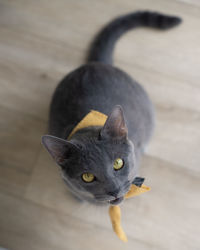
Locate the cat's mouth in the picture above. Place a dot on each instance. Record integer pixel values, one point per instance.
(116, 201)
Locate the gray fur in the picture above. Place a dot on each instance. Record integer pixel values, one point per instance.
(107, 89)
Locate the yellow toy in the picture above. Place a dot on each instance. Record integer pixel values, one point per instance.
(115, 212)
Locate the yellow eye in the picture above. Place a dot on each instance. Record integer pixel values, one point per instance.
(87, 177)
(118, 164)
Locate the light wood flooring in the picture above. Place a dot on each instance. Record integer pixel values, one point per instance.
(40, 42)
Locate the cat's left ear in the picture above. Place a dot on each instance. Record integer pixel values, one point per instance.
(115, 126)
(59, 149)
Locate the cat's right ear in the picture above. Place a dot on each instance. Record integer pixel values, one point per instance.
(59, 149)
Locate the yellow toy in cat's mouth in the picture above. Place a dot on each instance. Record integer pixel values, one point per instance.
(95, 118)
(115, 212)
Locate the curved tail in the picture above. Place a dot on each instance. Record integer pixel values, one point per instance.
(102, 47)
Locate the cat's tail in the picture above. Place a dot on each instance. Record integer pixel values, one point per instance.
(102, 47)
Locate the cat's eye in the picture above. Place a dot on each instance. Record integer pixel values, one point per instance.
(88, 177)
(118, 164)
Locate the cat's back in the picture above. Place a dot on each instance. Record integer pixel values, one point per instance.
(99, 87)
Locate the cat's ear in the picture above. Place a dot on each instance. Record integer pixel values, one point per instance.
(59, 149)
(115, 126)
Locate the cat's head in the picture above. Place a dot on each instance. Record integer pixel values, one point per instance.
(100, 166)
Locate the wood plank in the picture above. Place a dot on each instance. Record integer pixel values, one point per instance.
(27, 75)
(19, 142)
(190, 2)
(26, 225)
(177, 137)
(174, 192)
(170, 52)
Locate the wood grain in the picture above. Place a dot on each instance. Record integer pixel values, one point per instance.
(40, 42)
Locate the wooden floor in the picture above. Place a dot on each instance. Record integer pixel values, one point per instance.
(40, 42)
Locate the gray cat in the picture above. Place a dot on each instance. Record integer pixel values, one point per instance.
(99, 163)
